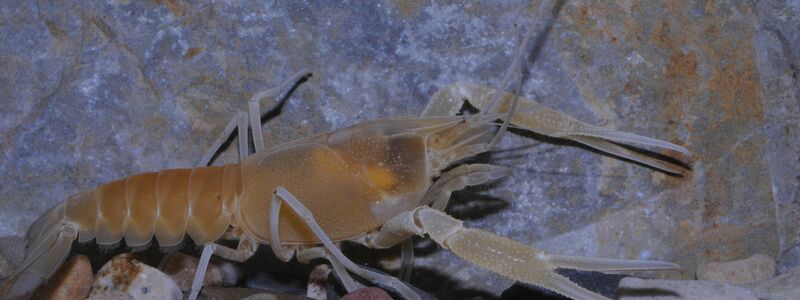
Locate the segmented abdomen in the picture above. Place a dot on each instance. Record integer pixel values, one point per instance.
(165, 204)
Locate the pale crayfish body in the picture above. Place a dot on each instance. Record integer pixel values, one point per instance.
(376, 183)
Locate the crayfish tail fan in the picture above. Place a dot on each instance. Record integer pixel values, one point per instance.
(48, 244)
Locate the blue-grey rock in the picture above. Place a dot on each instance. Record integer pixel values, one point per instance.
(758, 267)
(95, 91)
(631, 288)
(6, 267)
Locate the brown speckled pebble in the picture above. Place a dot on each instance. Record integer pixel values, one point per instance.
(109, 294)
(72, 281)
(126, 274)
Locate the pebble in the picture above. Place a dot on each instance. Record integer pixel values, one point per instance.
(318, 282)
(72, 281)
(140, 281)
(181, 268)
(368, 293)
(758, 267)
(632, 288)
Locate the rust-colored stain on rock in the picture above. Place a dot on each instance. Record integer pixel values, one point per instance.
(661, 35)
(738, 86)
(54, 30)
(72, 282)
(708, 95)
(177, 7)
(408, 9)
(123, 270)
(682, 65)
(192, 52)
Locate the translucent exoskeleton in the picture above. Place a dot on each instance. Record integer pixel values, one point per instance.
(376, 183)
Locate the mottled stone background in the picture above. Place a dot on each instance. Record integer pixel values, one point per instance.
(99, 90)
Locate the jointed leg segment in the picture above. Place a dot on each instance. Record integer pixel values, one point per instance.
(306, 255)
(498, 254)
(541, 119)
(246, 247)
(282, 195)
(244, 251)
(508, 257)
(438, 196)
(252, 120)
(254, 105)
(406, 259)
(458, 178)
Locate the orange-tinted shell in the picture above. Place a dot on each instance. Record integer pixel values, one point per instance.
(165, 204)
(352, 181)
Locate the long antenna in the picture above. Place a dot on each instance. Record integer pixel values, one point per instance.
(515, 71)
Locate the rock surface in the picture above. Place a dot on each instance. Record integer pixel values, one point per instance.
(129, 276)
(758, 267)
(368, 293)
(221, 293)
(6, 267)
(93, 91)
(786, 286)
(12, 249)
(107, 294)
(71, 282)
(181, 268)
(631, 288)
